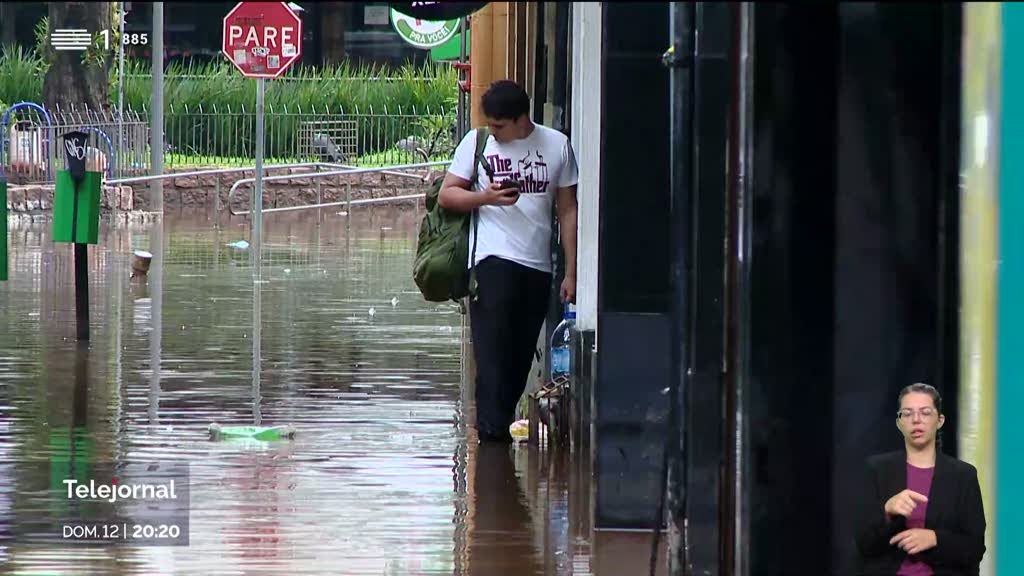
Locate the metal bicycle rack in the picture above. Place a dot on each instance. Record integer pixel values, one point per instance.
(111, 157)
(391, 170)
(44, 141)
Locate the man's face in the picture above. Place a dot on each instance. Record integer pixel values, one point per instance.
(503, 129)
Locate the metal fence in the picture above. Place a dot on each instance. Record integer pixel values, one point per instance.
(226, 137)
(212, 137)
(33, 145)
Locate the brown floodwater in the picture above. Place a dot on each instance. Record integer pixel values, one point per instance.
(382, 476)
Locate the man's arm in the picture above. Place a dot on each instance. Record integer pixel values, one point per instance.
(457, 193)
(456, 196)
(568, 210)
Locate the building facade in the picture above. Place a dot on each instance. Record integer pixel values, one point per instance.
(359, 33)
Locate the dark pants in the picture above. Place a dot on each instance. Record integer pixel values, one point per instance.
(506, 318)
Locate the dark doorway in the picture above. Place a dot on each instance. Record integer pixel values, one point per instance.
(630, 412)
(854, 259)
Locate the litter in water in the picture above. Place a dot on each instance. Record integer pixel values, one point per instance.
(520, 430)
(265, 433)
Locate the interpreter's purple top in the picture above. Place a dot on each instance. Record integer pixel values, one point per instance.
(919, 480)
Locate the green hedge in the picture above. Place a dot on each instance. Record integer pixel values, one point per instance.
(210, 105)
(340, 87)
(206, 102)
(21, 75)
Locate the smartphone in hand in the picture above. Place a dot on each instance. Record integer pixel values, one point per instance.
(510, 184)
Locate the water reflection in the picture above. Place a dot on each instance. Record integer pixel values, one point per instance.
(382, 477)
(256, 261)
(155, 280)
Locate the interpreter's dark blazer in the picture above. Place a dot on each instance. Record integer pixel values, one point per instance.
(954, 512)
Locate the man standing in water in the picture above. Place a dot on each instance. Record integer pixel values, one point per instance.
(532, 169)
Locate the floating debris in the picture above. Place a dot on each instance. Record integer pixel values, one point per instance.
(265, 433)
(140, 262)
(520, 430)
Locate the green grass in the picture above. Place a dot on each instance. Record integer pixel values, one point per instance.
(375, 160)
(390, 158)
(176, 160)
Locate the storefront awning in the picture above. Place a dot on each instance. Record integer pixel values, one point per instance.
(437, 10)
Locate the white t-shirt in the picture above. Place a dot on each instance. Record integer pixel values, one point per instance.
(544, 161)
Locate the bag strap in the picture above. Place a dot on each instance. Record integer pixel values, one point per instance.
(482, 134)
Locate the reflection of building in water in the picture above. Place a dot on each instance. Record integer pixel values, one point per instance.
(6, 496)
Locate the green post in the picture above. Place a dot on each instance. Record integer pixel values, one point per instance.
(3, 229)
(76, 218)
(79, 224)
(1010, 319)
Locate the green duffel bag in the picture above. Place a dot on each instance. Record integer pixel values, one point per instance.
(442, 251)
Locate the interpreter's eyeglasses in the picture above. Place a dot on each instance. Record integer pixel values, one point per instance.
(908, 413)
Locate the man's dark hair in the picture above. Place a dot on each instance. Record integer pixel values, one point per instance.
(505, 100)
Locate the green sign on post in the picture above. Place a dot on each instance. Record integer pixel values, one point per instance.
(88, 226)
(423, 34)
(3, 229)
(450, 49)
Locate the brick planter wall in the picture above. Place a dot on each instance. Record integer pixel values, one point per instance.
(36, 198)
(199, 191)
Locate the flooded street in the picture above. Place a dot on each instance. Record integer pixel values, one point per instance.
(382, 476)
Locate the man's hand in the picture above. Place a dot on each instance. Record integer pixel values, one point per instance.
(915, 540)
(568, 291)
(498, 196)
(903, 503)
(457, 195)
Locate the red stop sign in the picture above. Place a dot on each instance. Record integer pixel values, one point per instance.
(262, 39)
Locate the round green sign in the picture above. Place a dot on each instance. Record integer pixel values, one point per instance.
(424, 34)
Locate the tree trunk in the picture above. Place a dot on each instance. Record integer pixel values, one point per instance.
(332, 31)
(8, 18)
(69, 82)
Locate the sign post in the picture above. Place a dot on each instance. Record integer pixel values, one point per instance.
(3, 228)
(257, 204)
(76, 218)
(262, 40)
